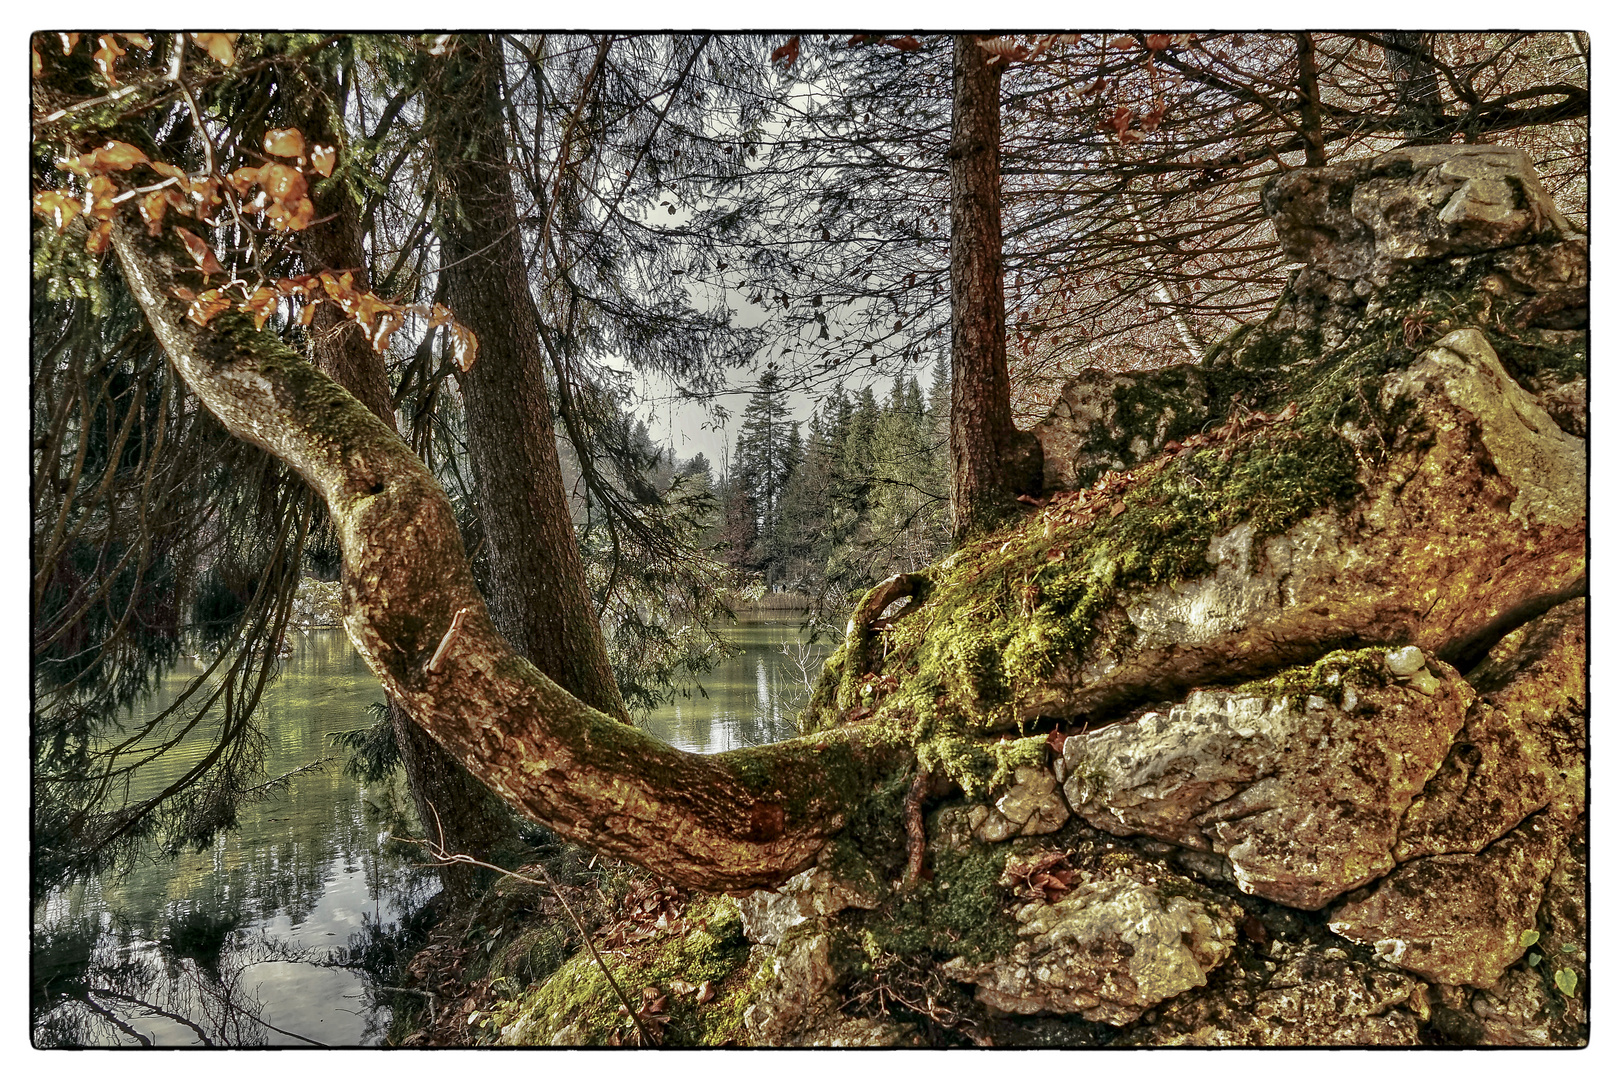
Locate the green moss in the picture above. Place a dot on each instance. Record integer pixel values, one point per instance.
(713, 949)
(1327, 677)
(961, 912)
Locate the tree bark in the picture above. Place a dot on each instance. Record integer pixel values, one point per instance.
(459, 812)
(990, 457)
(737, 820)
(1310, 102)
(537, 592)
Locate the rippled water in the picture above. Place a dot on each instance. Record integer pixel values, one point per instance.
(260, 940)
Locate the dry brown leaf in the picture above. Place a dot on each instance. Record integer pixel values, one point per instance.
(69, 42)
(99, 238)
(57, 207)
(201, 253)
(463, 346)
(36, 62)
(261, 305)
(322, 158)
(101, 191)
(154, 205)
(206, 306)
(284, 142)
(705, 992)
(106, 57)
(222, 47)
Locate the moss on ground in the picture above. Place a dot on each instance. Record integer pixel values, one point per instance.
(961, 912)
(712, 949)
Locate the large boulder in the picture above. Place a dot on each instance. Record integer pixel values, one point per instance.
(1362, 219)
(1127, 937)
(1302, 792)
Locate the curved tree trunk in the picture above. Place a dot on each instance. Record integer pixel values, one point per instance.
(537, 593)
(459, 812)
(737, 820)
(990, 457)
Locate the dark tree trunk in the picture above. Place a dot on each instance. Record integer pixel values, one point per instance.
(537, 593)
(1417, 85)
(1310, 102)
(455, 808)
(991, 459)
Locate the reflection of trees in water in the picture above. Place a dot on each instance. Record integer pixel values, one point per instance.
(182, 975)
(98, 985)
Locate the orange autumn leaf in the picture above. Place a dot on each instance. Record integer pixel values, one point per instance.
(299, 286)
(206, 306)
(307, 315)
(1158, 41)
(106, 56)
(118, 155)
(99, 237)
(244, 178)
(322, 158)
(385, 330)
(261, 305)
(58, 207)
(463, 346)
(173, 172)
(283, 183)
(101, 191)
(69, 41)
(201, 253)
(140, 41)
(284, 142)
(440, 316)
(339, 287)
(1123, 42)
(154, 205)
(222, 47)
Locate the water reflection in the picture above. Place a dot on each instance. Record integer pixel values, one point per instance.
(266, 938)
(253, 941)
(750, 698)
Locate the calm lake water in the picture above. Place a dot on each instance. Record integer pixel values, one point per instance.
(265, 938)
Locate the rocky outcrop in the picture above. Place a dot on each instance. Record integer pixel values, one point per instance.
(1302, 794)
(1306, 671)
(1457, 918)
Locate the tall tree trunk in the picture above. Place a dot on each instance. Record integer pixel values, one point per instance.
(1417, 85)
(1310, 102)
(455, 808)
(538, 596)
(991, 460)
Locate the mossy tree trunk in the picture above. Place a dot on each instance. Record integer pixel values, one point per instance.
(726, 821)
(537, 592)
(462, 813)
(989, 457)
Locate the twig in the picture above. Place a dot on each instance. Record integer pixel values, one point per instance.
(442, 857)
(444, 642)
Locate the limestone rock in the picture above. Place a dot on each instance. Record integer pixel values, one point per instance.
(1308, 996)
(1521, 747)
(1458, 533)
(1112, 420)
(1363, 218)
(1031, 806)
(1457, 919)
(1120, 942)
(797, 992)
(1304, 800)
(768, 916)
